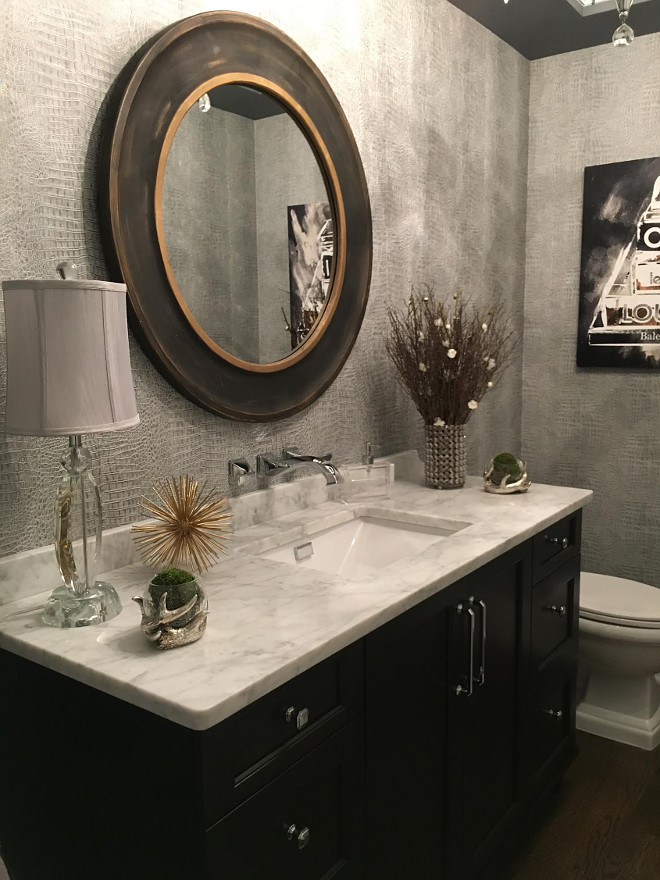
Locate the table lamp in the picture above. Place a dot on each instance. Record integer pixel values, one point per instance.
(69, 374)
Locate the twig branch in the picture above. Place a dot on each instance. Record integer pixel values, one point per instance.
(449, 353)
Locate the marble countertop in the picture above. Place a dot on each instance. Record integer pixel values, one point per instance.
(268, 620)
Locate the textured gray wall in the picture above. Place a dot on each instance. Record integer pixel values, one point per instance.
(595, 428)
(287, 174)
(209, 206)
(438, 107)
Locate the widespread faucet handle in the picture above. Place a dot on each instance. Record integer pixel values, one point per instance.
(237, 470)
(268, 464)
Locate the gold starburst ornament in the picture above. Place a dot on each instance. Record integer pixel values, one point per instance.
(190, 529)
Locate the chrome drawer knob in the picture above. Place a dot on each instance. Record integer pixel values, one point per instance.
(301, 716)
(563, 542)
(557, 609)
(554, 713)
(301, 837)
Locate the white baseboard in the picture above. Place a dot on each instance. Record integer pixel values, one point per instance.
(628, 729)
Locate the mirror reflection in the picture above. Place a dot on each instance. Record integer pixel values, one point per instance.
(247, 223)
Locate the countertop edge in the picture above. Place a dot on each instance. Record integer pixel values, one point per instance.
(205, 716)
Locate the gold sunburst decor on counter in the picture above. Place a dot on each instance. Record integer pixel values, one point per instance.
(191, 525)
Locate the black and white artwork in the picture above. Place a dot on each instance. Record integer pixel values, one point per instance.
(311, 249)
(619, 322)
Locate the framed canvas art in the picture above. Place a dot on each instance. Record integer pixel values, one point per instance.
(311, 249)
(619, 319)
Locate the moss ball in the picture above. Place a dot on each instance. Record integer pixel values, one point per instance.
(171, 577)
(505, 465)
(179, 585)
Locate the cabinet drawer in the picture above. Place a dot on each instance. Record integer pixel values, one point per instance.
(555, 544)
(307, 824)
(554, 610)
(550, 719)
(249, 749)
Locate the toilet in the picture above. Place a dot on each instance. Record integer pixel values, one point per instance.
(620, 659)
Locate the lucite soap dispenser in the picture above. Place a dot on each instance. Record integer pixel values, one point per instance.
(369, 479)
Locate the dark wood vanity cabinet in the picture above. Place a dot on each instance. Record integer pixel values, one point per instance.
(470, 713)
(486, 631)
(420, 751)
(406, 687)
(92, 788)
(305, 825)
(442, 688)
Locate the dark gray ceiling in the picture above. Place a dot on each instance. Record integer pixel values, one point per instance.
(245, 101)
(537, 28)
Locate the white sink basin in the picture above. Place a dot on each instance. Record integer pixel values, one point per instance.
(359, 547)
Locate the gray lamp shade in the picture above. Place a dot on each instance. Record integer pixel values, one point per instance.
(68, 365)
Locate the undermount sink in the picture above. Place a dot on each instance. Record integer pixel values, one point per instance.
(361, 546)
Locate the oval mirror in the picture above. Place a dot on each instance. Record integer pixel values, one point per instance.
(235, 208)
(247, 228)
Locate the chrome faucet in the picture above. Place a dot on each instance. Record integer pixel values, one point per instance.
(292, 459)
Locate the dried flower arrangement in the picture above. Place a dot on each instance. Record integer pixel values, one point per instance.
(449, 353)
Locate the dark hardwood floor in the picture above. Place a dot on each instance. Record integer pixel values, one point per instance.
(604, 823)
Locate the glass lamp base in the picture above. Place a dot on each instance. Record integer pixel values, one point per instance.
(96, 605)
(623, 35)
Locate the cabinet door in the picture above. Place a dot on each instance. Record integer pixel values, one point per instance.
(246, 751)
(405, 700)
(484, 673)
(307, 824)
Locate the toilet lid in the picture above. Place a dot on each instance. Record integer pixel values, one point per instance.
(620, 601)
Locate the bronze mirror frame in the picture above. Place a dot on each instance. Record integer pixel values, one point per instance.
(146, 104)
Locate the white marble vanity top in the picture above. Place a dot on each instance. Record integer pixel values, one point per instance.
(270, 621)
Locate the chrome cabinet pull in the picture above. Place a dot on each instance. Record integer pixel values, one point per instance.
(563, 542)
(481, 680)
(459, 689)
(557, 609)
(554, 713)
(301, 836)
(301, 716)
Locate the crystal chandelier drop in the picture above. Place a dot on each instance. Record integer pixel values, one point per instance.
(624, 34)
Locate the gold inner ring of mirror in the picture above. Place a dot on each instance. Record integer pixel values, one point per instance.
(328, 171)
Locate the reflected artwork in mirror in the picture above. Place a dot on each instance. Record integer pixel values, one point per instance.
(234, 205)
(247, 225)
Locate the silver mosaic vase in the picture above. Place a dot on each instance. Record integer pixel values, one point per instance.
(446, 456)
